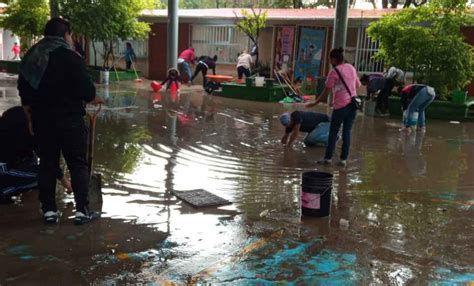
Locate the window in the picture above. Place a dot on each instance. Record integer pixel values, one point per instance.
(366, 49)
(224, 41)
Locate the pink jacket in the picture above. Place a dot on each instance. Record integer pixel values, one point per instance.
(188, 55)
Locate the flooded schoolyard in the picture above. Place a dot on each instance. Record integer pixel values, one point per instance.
(408, 202)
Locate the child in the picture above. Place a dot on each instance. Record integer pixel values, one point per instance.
(173, 77)
(16, 52)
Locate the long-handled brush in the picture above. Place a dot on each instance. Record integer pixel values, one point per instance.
(138, 79)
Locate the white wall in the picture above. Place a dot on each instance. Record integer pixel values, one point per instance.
(7, 40)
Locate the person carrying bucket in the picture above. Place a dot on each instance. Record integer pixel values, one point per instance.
(314, 123)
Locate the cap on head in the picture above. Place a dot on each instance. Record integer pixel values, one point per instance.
(285, 119)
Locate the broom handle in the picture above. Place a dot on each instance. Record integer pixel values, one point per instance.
(133, 66)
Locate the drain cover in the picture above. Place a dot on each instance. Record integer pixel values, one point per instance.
(201, 198)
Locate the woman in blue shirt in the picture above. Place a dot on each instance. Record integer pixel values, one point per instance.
(129, 55)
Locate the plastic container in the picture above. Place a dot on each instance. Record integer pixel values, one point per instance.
(459, 96)
(259, 81)
(248, 81)
(269, 82)
(155, 86)
(316, 190)
(104, 77)
(219, 78)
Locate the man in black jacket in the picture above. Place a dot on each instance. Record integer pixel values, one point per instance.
(53, 86)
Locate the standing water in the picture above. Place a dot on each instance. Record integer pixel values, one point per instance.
(408, 202)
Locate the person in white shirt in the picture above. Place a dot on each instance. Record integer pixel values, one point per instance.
(244, 62)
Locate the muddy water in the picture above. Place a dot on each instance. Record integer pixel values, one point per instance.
(409, 203)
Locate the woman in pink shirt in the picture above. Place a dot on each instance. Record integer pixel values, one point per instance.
(344, 111)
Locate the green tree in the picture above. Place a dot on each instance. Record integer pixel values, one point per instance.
(105, 21)
(251, 24)
(428, 41)
(26, 18)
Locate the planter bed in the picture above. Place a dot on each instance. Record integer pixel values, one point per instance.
(122, 75)
(241, 91)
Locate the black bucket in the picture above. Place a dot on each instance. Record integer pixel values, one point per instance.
(316, 190)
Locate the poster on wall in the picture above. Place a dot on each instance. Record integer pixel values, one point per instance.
(284, 43)
(310, 51)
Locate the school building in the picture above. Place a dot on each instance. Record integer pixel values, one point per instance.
(295, 39)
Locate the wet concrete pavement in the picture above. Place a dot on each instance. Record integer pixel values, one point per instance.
(409, 202)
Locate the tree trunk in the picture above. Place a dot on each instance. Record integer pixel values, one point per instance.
(95, 53)
(54, 7)
(393, 4)
(297, 3)
(384, 4)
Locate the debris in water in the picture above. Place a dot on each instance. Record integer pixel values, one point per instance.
(454, 122)
(343, 223)
(264, 213)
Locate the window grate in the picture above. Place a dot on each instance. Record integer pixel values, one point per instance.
(366, 50)
(224, 41)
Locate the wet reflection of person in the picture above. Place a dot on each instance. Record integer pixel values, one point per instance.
(414, 159)
(53, 96)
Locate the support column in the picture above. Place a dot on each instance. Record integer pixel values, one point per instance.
(53, 6)
(172, 45)
(340, 24)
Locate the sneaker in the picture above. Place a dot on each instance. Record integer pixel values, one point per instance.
(325, 162)
(342, 163)
(51, 217)
(85, 216)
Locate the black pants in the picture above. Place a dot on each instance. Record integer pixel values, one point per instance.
(129, 64)
(382, 98)
(69, 136)
(203, 69)
(243, 71)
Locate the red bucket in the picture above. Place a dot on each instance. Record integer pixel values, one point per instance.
(155, 86)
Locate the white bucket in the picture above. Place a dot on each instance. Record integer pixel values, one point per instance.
(259, 81)
(104, 77)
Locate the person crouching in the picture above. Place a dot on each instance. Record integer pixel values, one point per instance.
(314, 123)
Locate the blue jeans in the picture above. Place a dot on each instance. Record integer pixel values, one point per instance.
(345, 117)
(319, 136)
(187, 69)
(419, 104)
